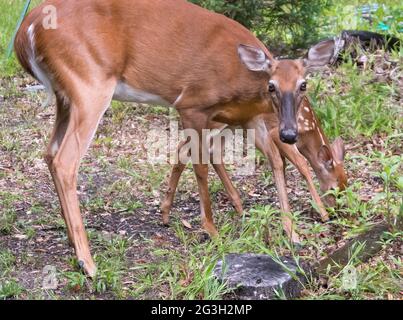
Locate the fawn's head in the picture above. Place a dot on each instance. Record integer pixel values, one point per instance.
(286, 87)
(332, 174)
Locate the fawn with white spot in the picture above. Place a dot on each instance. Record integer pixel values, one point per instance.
(326, 160)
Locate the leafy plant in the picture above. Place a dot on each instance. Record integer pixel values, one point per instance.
(292, 23)
(276, 22)
(10, 289)
(245, 12)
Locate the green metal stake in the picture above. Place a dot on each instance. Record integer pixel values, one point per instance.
(23, 13)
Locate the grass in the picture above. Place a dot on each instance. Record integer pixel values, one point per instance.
(364, 114)
(10, 289)
(10, 13)
(190, 276)
(139, 258)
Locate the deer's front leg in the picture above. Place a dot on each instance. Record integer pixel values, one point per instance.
(194, 121)
(201, 171)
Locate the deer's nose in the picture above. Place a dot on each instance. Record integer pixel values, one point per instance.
(289, 136)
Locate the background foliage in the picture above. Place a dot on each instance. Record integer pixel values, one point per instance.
(274, 20)
(246, 12)
(283, 25)
(286, 25)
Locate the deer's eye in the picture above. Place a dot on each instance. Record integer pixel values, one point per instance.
(303, 86)
(272, 88)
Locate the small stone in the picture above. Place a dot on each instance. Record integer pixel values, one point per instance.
(259, 277)
(20, 236)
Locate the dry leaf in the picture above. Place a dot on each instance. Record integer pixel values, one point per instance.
(187, 224)
(20, 236)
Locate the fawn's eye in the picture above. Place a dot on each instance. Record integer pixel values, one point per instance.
(272, 87)
(303, 86)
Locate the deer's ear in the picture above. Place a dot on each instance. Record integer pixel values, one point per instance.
(339, 149)
(319, 55)
(325, 157)
(254, 58)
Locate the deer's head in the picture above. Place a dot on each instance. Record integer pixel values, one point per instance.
(286, 87)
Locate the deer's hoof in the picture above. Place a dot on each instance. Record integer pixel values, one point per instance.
(295, 239)
(88, 268)
(238, 208)
(325, 218)
(211, 230)
(165, 220)
(165, 210)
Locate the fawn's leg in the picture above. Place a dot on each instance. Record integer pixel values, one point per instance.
(270, 150)
(292, 154)
(222, 173)
(277, 166)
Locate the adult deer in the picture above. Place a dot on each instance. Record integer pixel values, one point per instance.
(174, 53)
(327, 161)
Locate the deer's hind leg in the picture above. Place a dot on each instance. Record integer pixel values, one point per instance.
(59, 131)
(75, 127)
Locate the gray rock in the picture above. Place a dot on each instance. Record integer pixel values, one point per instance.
(259, 277)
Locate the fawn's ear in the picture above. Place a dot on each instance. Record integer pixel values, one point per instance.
(325, 157)
(319, 55)
(339, 149)
(254, 58)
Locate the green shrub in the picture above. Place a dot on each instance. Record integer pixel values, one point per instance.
(276, 22)
(245, 12)
(291, 23)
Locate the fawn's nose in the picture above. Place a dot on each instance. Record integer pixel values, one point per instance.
(288, 136)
